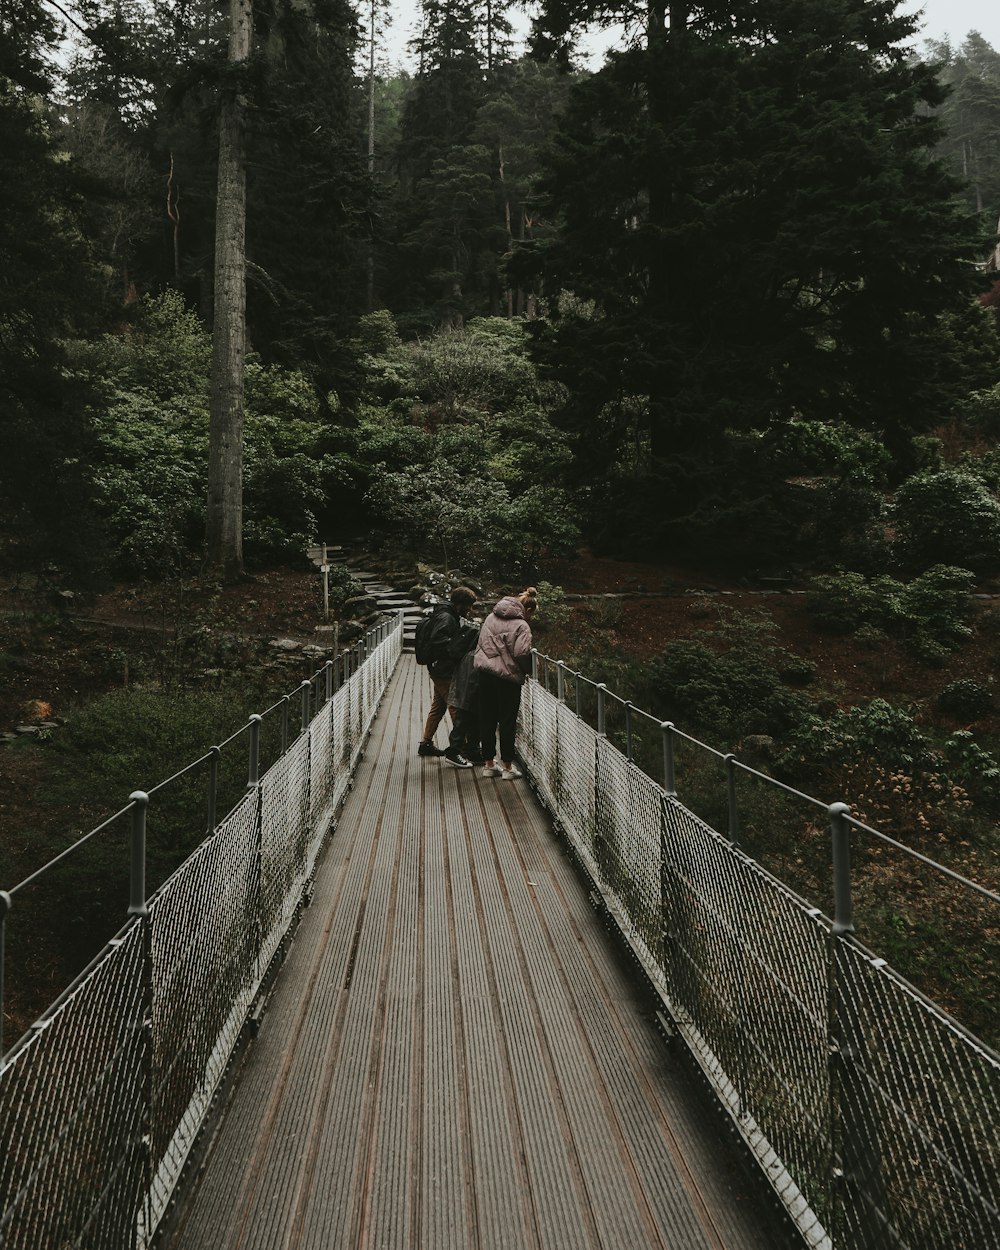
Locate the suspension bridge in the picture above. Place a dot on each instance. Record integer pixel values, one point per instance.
(388, 1003)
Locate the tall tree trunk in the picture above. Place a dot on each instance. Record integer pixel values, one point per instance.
(371, 149)
(666, 28)
(225, 438)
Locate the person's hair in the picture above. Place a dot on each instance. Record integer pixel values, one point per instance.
(463, 597)
(529, 600)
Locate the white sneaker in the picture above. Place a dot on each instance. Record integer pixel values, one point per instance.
(510, 774)
(491, 770)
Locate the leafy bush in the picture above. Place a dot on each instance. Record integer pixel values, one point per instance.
(934, 609)
(965, 699)
(733, 688)
(974, 769)
(980, 412)
(553, 610)
(844, 603)
(151, 425)
(949, 517)
(877, 730)
(929, 614)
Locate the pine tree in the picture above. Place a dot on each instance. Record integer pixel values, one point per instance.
(970, 115)
(48, 293)
(750, 202)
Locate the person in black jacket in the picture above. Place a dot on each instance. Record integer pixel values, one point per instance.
(463, 699)
(445, 628)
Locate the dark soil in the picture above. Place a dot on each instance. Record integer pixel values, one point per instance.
(54, 652)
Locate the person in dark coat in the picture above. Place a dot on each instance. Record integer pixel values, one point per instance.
(463, 699)
(445, 627)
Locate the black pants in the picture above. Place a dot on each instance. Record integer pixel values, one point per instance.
(499, 703)
(465, 731)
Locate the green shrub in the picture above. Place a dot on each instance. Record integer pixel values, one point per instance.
(974, 769)
(844, 603)
(934, 609)
(929, 614)
(553, 610)
(965, 700)
(949, 517)
(733, 688)
(878, 730)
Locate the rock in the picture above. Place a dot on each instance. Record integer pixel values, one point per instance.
(284, 644)
(359, 605)
(350, 630)
(27, 730)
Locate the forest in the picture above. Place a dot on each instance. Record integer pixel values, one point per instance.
(728, 302)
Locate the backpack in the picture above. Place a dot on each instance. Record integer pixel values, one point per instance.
(422, 640)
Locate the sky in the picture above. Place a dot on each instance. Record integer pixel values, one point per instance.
(941, 19)
(956, 18)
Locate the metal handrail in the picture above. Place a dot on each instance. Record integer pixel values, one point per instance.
(734, 764)
(326, 674)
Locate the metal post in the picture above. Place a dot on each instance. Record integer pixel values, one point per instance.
(734, 816)
(561, 681)
(306, 689)
(328, 674)
(628, 730)
(253, 774)
(215, 754)
(667, 729)
(840, 836)
(861, 1192)
(534, 664)
(347, 665)
(4, 909)
(285, 701)
(576, 685)
(137, 874)
(602, 720)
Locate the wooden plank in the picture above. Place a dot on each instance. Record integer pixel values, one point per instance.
(453, 1058)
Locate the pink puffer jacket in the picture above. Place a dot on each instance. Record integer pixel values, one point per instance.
(504, 646)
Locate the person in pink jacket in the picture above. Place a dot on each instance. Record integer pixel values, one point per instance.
(502, 661)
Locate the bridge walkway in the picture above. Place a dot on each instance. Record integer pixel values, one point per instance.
(453, 1057)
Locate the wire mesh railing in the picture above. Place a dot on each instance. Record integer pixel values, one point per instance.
(101, 1100)
(872, 1112)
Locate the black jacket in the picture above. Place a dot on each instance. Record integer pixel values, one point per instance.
(445, 629)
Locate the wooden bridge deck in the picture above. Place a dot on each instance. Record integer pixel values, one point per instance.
(453, 1057)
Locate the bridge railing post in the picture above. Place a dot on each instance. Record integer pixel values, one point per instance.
(4, 909)
(667, 730)
(840, 839)
(858, 1184)
(561, 681)
(628, 730)
(602, 710)
(306, 689)
(253, 763)
(285, 704)
(215, 754)
(137, 860)
(734, 814)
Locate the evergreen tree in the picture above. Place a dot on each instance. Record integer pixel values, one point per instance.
(749, 204)
(310, 194)
(971, 118)
(49, 292)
